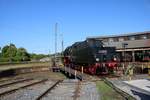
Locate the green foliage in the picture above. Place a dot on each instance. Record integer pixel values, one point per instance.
(12, 50)
(5, 51)
(10, 53)
(37, 56)
(107, 92)
(22, 55)
(4, 59)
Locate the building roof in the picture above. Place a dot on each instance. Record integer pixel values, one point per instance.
(120, 35)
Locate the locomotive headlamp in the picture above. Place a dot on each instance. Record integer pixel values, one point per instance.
(115, 59)
(97, 59)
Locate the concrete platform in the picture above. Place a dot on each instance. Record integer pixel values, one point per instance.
(143, 84)
(139, 88)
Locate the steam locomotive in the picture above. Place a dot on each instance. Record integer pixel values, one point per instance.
(92, 56)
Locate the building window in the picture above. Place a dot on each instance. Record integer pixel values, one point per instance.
(121, 39)
(111, 40)
(116, 39)
(131, 38)
(137, 37)
(143, 37)
(105, 40)
(126, 38)
(148, 35)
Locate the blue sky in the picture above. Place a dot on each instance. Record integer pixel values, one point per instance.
(30, 23)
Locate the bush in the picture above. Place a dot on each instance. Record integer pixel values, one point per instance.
(4, 59)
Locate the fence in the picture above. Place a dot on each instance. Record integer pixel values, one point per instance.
(137, 67)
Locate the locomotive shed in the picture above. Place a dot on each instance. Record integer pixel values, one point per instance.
(129, 45)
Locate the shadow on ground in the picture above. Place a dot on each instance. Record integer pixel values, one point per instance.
(141, 95)
(7, 73)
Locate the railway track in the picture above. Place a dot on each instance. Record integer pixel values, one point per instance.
(10, 79)
(125, 95)
(32, 92)
(71, 90)
(28, 84)
(34, 75)
(66, 90)
(49, 89)
(14, 82)
(77, 91)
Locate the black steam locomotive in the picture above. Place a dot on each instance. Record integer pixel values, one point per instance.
(92, 55)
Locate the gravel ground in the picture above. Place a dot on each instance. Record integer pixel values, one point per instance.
(10, 81)
(66, 91)
(63, 91)
(43, 75)
(14, 86)
(35, 75)
(27, 65)
(89, 91)
(30, 93)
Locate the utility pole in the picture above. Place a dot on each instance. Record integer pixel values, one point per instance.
(55, 43)
(62, 44)
(62, 47)
(50, 57)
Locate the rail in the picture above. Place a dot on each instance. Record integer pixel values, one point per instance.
(15, 82)
(125, 95)
(48, 90)
(13, 90)
(77, 91)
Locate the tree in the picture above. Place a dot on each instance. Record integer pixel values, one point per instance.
(12, 52)
(8, 52)
(37, 56)
(22, 55)
(5, 51)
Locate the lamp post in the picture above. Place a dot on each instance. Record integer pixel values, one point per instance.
(124, 45)
(56, 25)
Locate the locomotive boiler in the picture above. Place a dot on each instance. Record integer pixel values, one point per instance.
(92, 55)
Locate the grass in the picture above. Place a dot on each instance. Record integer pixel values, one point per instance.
(106, 92)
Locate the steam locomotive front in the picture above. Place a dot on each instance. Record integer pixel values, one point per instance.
(105, 57)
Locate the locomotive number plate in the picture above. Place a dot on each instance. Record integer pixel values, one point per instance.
(102, 51)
